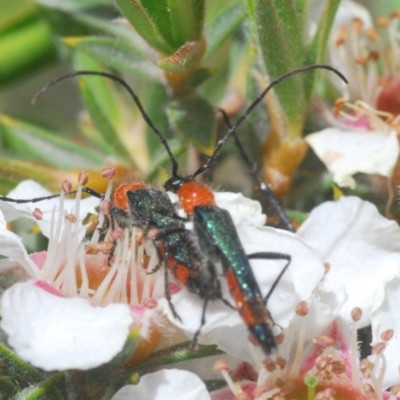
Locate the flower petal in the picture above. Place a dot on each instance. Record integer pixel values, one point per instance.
(361, 246)
(167, 384)
(242, 209)
(11, 247)
(56, 333)
(385, 315)
(347, 152)
(30, 189)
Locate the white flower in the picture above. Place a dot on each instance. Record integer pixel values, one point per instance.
(75, 311)
(30, 189)
(167, 384)
(58, 333)
(346, 152)
(291, 290)
(319, 352)
(364, 127)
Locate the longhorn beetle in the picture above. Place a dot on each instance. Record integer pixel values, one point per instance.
(213, 230)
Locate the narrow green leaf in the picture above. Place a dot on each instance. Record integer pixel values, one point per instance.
(281, 39)
(138, 15)
(222, 26)
(29, 142)
(155, 101)
(186, 20)
(45, 388)
(14, 171)
(165, 24)
(194, 118)
(25, 48)
(176, 354)
(7, 387)
(15, 366)
(114, 53)
(15, 13)
(102, 104)
(73, 5)
(317, 48)
(183, 59)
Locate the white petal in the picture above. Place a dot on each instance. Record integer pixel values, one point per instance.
(361, 246)
(3, 222)
(346, 152)
(242, 209)
(30, 189)
(385, 315)
(341, 57)
(11, 247)
(318, 318)
(56, 333)
(167, 384)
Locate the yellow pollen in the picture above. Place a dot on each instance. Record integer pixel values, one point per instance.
(372, 34)
(341, 36)
(302, 309)
(357, 24)
(356, 314)
(338, 367)
(395, 14)
(387, 335)
(324, 341)
(378, 348)
(383, 22)
(373, 55)
(361, 60)
(395, 389)
(269, 364)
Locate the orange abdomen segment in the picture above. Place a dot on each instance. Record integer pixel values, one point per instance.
(252, 312)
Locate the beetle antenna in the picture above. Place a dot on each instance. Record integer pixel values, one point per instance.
(260, 97)
(132, 94)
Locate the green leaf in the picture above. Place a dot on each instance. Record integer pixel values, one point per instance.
(102, 104)
(25, 48)
(29, 142)
(194, 118)
(139, 18)
(222, 26)
(165, 24)
(115, 54)
(317, 48)
(73, 5)
(45, 388)
(183, 59)
(15, 13)
(16, 367)
(186, 20)
(281, 39)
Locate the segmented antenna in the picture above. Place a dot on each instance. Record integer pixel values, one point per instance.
(130, 91)
(233, 129)
(149, 122)
(264, 188)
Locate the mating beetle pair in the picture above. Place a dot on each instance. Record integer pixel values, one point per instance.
(191, 255)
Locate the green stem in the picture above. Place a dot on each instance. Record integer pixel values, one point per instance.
(12, 363)
(45, 387)
(175, 354)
